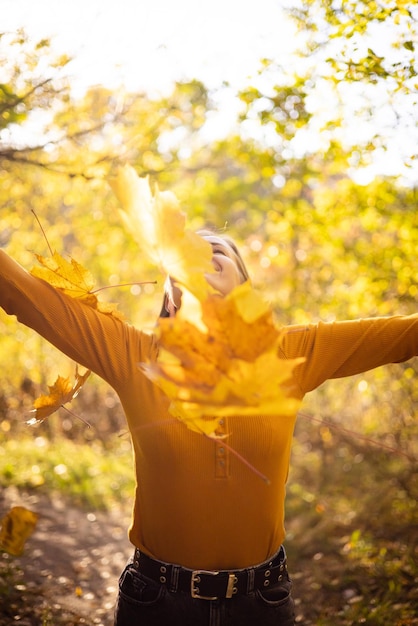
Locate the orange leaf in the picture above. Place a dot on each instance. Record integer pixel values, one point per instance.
(16, 527)
(230, 367)
(61, 392)
(73, 279)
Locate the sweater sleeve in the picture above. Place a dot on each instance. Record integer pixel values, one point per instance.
(100, 342)
(339, 349)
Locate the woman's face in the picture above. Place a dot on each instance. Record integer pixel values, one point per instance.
(226, 275)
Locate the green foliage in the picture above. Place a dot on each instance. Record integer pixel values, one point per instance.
(87, 475)
(346, 27)
(32, 88)
(358, 63)
(10, 113)
(357, 531)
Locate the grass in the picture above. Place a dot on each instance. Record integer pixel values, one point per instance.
(351, 534)
(351, 521)
(87, 474)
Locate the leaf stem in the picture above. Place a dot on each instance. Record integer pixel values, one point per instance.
(43, 232)
(146, 282)
(76, 415)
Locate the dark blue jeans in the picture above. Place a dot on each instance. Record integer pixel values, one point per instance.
(144, 602)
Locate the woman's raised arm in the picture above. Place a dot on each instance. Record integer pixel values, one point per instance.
(338, 349)
(96, 340)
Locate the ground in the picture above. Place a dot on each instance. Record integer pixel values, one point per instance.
(69, 571)
(71, 564)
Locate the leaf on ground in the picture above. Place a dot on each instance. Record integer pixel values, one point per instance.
(231, 367)
(16, 527)
(60, 393)
(159, 227)
(72, 279)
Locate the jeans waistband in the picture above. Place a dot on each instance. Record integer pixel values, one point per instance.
(212, 584)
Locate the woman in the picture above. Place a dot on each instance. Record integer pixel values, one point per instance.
(207, 531)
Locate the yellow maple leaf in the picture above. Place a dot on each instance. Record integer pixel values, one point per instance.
(218, 356)
(73, 279)
(232, 367)
(16, 527)
(159, 227)
(60, 393)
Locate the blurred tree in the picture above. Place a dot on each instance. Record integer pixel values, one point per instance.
(318, 244)
(39, 115)
(357, 75)
(352, 28)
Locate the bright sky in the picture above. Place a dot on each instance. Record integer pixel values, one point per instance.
(148, 43)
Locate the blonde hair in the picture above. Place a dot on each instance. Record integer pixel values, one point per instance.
(206, 233)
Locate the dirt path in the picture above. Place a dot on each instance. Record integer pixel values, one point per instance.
(69, 572)
(72, 562)
(68, 545)
(71, 565)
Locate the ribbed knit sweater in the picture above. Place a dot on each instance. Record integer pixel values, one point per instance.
(196, 503)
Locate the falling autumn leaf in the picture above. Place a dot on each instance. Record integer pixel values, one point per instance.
(73, 280)
(15, 528)
(232, 367)
(159, 227)
(60, 393)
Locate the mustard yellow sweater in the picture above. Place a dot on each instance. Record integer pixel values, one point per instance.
(197, 504)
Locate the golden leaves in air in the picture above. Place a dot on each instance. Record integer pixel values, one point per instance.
(232, 367)
(73, 280)
(60, 393)
(218, 356)
(159, 227)
(16, 527)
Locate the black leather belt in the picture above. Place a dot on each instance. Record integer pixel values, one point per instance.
(212, 585)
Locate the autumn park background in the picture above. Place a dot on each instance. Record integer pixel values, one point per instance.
(316, 178)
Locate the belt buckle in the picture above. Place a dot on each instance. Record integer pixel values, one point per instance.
(195, 580)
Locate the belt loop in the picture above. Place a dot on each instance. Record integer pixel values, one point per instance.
(250, 580)
(174, 580)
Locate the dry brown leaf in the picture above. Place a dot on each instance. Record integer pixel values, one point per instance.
(60, 393)
(16, 527)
